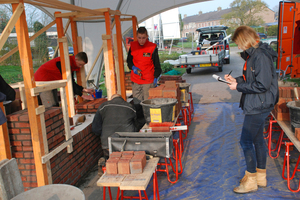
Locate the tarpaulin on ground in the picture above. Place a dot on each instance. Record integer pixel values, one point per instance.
(213, 160)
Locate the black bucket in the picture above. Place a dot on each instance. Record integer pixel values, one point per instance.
(159, 109)
(294, 115)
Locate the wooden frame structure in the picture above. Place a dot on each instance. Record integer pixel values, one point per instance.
(30, 89)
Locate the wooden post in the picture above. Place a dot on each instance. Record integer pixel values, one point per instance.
(134, 27)
(117, 66)
(76, 51)
(69, 88)
(32, 102)
(5, 151)
(110, 75)
(82, 70)
(120, 56)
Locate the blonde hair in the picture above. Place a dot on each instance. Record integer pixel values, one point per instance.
(245, 37)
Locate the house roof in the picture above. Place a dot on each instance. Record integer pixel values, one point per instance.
(210, 16)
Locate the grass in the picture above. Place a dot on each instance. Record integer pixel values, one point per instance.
(12, 74)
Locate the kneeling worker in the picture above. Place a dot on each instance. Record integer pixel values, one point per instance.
(112, 116)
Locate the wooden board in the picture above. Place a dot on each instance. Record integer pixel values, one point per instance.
(110, 180)
(130, 181)
(140, 181)
(286, 127)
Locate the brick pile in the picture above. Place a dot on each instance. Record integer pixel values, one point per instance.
(89, 106)
(126, 162)
(165, 78)
(65, 168)
(167, 90)
(128, 83)
(281, 111)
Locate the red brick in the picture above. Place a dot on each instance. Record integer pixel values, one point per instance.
(18, 155)
(27, 143)
(23, 137)
(28, 155)
(24, 118)
(30, 184)
(25, 130)
(143, 157)
(297, 133)
(13, 117)
(115, 154)
(112, 166)
(139, 153)
(27, 172)
(27, 148)
(21, 125)
(127, 152)
(16, 143)
(14, 131)
(26, 161)
(170, 84)
(124, 166)
(160, 129)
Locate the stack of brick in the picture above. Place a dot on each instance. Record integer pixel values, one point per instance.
(127, 162)
(128, 82)
(89, 106)
(281, 111)
(165, 78)
(297, 134)
(168, 90)
(161, 127)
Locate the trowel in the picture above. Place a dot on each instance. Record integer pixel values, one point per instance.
(297, 102)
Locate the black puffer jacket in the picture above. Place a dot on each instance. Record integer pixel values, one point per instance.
(113, 116)
(260, 90)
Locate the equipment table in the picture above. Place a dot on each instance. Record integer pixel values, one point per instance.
(286, 127)
(132, 181)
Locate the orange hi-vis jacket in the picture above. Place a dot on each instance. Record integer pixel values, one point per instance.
(142, 59)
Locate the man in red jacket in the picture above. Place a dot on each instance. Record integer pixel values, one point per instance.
(144, 62)
(51, 71)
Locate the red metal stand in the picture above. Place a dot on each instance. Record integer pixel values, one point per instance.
(286, 163)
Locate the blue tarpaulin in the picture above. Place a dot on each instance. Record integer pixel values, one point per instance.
(213, 161)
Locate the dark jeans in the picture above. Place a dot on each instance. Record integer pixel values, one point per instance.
(252, 141)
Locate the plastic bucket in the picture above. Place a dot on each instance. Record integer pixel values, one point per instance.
(184, 88)
(98, 94)
(294, 115)
(159, 110)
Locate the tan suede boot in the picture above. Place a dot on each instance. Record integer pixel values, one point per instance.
(261, 177)
(248, 184)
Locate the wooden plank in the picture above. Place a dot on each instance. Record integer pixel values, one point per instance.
(5, 151)
(286, 127)
(46, 87)
(126, 19)
(109, 64)
(32, 102)
(40, 110)
(82, 14)
(116, 56)
(65, 30)
(134, 27)
(106, 37)
(120, 57)
(66, 6)
(40, 4)
(8, 1)
(16, 49)
(64, 106)
(87, 18)
(50, 155)
(110, 180)
(140, 181)
(44, 133)
(82, 70)
(10, 24)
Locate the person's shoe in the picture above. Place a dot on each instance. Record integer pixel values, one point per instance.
(261, 177)
(101, 163)
(248, 184)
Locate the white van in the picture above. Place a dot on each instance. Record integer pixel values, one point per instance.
(210, 35)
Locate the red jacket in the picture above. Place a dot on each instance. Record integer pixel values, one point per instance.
(142, 59)
(50, 72)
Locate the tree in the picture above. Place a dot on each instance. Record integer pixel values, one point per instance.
(276, 10)
(180, 23)
(41, 42)
(244, 12)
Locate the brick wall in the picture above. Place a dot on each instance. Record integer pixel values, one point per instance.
(66, 168)
(89, 106)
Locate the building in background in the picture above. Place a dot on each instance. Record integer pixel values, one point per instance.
(191, 23)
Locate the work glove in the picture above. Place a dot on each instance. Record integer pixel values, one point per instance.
(135, 70)
(155, 82)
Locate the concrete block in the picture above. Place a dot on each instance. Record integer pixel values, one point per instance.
(136, 166)
(10, 179)
(143, 157)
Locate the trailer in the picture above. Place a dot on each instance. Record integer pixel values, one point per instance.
(213, 57)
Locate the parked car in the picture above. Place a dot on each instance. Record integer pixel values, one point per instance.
(71, 51)
(183, 39)
(262, 35)
(50, 52)
(210, 35)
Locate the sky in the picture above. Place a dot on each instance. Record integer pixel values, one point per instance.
(209, 6)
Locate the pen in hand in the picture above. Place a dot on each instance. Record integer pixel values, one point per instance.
(229, 73)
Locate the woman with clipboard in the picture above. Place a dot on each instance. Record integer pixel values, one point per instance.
(259, 87)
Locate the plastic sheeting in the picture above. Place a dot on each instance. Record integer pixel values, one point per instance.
(213, 160)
